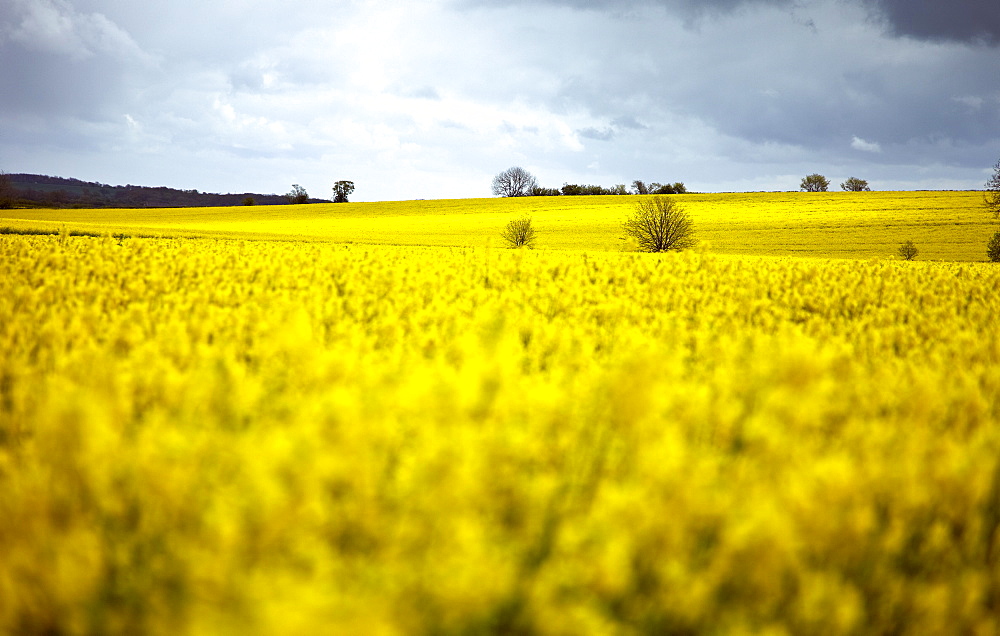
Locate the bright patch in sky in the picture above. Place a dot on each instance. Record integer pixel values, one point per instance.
(867, 146)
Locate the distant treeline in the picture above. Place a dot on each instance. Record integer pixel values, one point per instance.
(35, 190)
(638, 187)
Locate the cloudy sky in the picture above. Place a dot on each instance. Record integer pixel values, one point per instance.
(431, 98)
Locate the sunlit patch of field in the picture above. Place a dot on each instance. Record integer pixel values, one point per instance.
(948, 226)
(254, 437)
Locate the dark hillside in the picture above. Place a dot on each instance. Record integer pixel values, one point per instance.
(35, 190)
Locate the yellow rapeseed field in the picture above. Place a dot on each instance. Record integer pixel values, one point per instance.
(949, 226)
(254, 437)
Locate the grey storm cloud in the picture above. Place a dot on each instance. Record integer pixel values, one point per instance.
(795, 80)
(59, 61)
(607, 134)
(957, 20)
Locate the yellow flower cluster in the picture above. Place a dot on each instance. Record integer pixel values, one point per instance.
(212, 437)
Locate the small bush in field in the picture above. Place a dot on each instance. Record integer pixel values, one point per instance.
(659, 224)
(519, 233)
(993, 248)
(908, 251)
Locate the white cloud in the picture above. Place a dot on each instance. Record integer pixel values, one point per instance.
(865, 146)
(972, 101)
(54, 26)
(43, 27)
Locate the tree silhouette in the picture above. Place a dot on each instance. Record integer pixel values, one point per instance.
(514, 182)
(341, 190)
(659, 224)
(992, 195)
(297, 195)
(814, 183)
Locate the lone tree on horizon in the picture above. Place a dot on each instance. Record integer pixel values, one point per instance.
(341, 190)
(814, 183)
(514, 182)
(853, 184)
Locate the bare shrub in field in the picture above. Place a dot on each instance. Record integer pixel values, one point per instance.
(519, 232)
(908, 251)
(660, 224)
